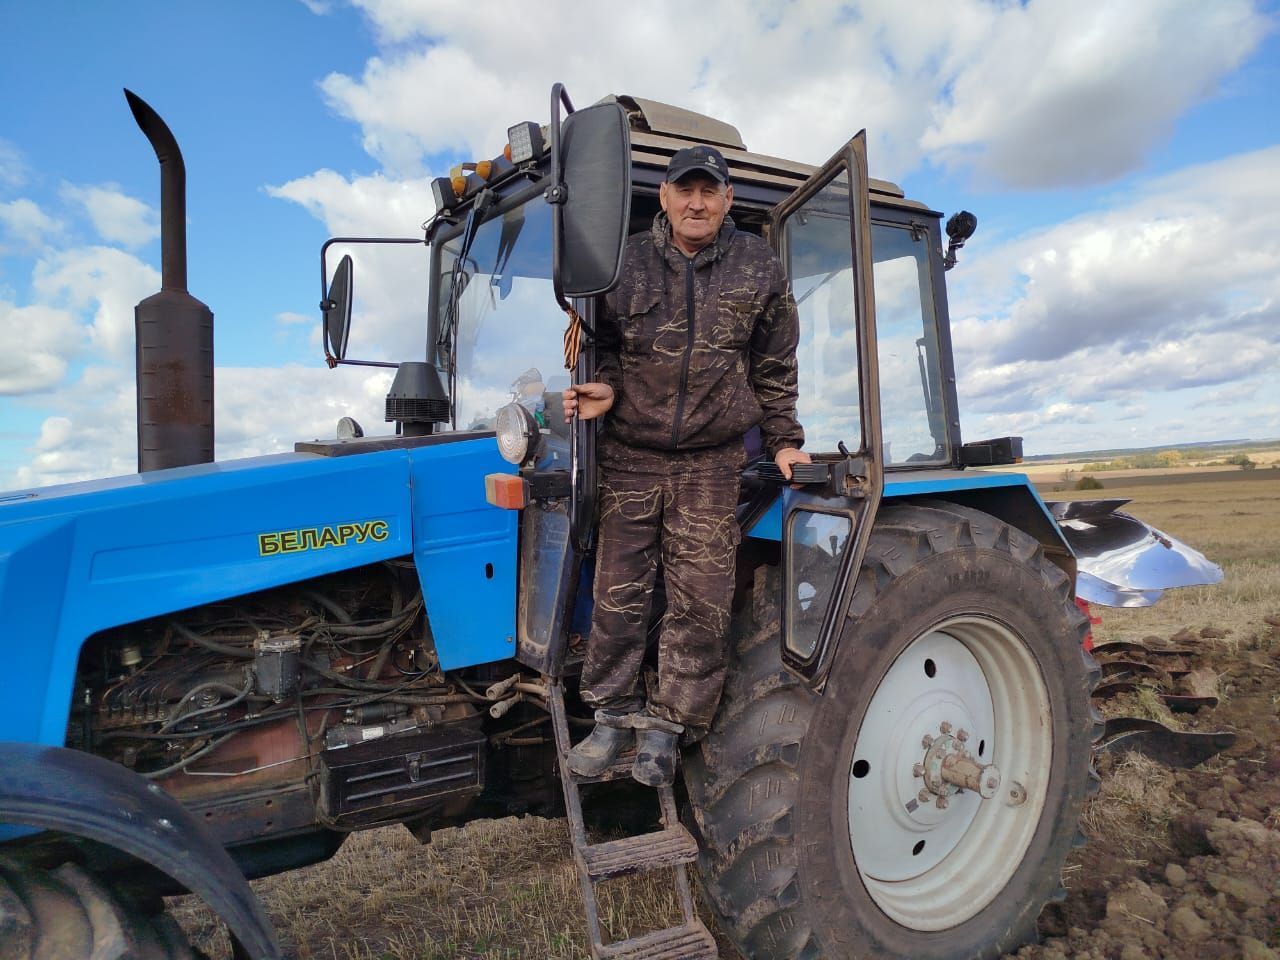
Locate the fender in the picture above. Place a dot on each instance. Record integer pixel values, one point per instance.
(78, 793)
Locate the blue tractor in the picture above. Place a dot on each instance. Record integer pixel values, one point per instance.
(217, 670)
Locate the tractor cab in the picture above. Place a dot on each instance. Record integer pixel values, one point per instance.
(523, 245)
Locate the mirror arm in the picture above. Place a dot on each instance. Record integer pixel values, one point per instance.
(324, 266)
(949, 260)
(326, 304)
(557, 193)
(361, 363)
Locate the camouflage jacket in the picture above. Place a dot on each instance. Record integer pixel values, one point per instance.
(682, 386)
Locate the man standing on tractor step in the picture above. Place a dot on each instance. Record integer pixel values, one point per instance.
(695, 346)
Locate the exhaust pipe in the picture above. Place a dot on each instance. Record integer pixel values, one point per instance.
(174, 330)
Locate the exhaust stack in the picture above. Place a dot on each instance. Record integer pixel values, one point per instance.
(174, 330)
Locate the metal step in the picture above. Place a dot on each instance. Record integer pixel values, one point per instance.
(648, 851)
(691, 942)
(670, 848)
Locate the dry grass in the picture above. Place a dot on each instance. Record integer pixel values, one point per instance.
(495, 889)
(506, 889)
(1133, 808)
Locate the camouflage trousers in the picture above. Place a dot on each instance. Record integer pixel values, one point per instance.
(687, 521)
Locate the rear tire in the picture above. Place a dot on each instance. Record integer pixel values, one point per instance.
(810, 846)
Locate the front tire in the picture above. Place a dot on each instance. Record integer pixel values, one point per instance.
(816, 842)
(73, 914)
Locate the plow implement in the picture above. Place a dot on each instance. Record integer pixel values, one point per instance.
(1150, 692)
(1157, 681)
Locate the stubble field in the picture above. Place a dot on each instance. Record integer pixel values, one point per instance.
(1180, 863)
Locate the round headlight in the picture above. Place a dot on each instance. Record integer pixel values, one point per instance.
(349, 429)
(519, 436)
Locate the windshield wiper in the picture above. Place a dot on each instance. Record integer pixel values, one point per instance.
(512, 225)
(475, 217)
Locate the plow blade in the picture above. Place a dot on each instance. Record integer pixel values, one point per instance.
(1173, 748)
(1122, 561)
(1130, 666)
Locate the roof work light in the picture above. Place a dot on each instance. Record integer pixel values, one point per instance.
(524, 140)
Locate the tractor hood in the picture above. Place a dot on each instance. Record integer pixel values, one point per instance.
(1122, 561)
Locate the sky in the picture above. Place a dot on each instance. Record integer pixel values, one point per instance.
(1123, 159)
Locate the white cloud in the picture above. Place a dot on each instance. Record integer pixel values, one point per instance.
(1174, 289)
(24, 221)
(1098, 85)
(372, 206)
(257, 411)
(1231, 395)
(93, 434)
(291, 319)
(319, 7)
(109, 281)
(1055, 93)
(1191, 253)
(389, 313)
(41, 340)
(117, 217)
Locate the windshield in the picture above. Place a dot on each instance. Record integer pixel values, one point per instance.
(508, 338)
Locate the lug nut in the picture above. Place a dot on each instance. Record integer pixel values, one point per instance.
(941, 803)
(926, 741)
(962, 735)
(923, 796)
(945, 728)
(917, 770)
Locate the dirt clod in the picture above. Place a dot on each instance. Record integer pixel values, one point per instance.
(1136, 899)
(1252, 949)
(1186, 924)
(1240, 889)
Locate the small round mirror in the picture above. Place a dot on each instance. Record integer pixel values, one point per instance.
(337, 311)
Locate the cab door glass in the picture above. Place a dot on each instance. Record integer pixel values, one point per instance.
(816, 543)
(821, 273)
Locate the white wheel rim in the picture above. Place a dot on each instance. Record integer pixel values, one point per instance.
(930, 868)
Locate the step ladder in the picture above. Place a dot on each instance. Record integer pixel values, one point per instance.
(668, 849)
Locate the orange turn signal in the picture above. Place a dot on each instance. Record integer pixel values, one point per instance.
(507, 491)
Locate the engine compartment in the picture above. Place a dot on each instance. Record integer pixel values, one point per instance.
(316, 704)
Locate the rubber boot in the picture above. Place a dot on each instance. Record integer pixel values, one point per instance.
(596, 753)
(656, 751)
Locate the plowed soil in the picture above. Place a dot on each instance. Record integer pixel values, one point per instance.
(1185, 863)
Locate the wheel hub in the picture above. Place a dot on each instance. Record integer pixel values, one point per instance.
(949, 768)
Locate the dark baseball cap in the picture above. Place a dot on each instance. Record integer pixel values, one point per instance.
(701, 158)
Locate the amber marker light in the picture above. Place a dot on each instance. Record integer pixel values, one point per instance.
(506, 491)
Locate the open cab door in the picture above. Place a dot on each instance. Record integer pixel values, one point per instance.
(822, 235)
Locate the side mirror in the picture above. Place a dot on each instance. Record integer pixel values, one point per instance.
(337, 312)
(590, 196)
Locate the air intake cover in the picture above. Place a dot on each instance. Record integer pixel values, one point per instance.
(417, 398)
